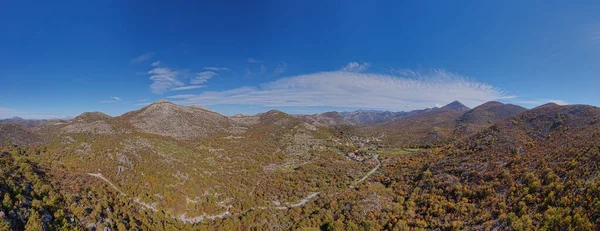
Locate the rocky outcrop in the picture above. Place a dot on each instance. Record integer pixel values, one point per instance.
(168, 119)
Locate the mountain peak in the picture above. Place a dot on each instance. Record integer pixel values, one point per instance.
(491, 104)
(456, 106)
(92, 116)
(16, 118)
(162, 101)
(548, 105)
(166, 118)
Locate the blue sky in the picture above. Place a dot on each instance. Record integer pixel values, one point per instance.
(63, 58)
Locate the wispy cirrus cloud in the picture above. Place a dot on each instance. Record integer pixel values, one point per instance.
(280, 69)
(356, 67)
(218, 69)
(164, 79)
(355, 90)
(114, 99)
(255, 67)
(142, 57)
(202, 77)
(155, 64)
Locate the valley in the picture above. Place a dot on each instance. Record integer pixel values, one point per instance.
(496, 166)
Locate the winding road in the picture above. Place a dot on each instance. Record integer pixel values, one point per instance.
(201, 218)
(369, 173)
(100, 176)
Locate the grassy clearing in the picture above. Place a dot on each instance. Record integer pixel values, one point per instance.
(399, 151)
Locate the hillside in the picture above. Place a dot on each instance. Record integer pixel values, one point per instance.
(484, 116)
(278, 160)
(368, 117)
(439, 126)
(17, 135)
(168, 119)
(428, 128)
(516, 169)
(96, 123)
(25, 123)
(536, 170)
(326, 119)
(40, 198)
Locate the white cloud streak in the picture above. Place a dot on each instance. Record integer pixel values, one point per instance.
(190, 87)
(355, 90)
(215, 69)
(356, 67)
(114, 99)
(155, 64)
(142, 57)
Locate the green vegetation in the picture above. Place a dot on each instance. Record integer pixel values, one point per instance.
(399, 151)
(527, 172)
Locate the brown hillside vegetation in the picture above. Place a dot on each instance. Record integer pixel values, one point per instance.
(428, 128)
(485, 115)
(440, 126)
(15, 134)
(537, 170)
(514, 170)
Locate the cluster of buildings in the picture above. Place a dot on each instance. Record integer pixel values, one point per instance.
(356, 141)
(354, 155)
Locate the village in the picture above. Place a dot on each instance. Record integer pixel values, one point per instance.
(361, 156)
(362, 149)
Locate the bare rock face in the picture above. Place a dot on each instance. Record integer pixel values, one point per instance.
(168, 119)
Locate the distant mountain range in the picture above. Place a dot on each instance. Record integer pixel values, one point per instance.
(369, 117)
(485, 167)
(168, 119)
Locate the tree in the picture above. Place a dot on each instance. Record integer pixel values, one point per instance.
(7, 202)
(34, 223)
(4, 225)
